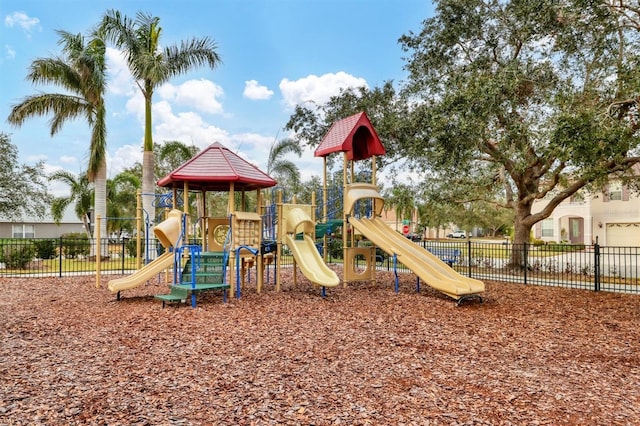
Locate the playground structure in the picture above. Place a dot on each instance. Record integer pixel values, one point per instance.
(297, 230)
(236, 239)
(245, 239)
(169, 234)
(356, 138)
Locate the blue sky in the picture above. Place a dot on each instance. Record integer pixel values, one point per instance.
(275, 54)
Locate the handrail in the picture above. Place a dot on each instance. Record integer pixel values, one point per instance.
(254, 252)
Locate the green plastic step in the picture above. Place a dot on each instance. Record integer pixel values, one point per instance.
(200, 287)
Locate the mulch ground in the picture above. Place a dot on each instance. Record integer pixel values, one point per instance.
(72, 354)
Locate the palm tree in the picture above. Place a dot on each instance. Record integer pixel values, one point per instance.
(81, 72)
(152, 66)
(280, 168)
(401, 199)
(121, 200)
(80, 194)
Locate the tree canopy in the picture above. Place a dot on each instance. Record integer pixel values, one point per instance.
(80, 74)
(23, 188)
(507, 102)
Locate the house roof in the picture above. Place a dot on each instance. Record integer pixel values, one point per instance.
(214, 168)
(68, 217)
(354, 135)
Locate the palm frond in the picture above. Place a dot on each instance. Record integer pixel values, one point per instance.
(191, 54)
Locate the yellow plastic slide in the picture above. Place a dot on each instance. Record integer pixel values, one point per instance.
(310, 262)
(143, 274)
(168, 233)
(428, 267)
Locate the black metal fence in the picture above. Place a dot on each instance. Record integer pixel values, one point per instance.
(589, 267)
(64, 256)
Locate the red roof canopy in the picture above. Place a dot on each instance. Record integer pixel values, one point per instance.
(214, 169)
(354, 135)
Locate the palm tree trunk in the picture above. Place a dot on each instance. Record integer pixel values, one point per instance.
(148, 185)
(100, 199)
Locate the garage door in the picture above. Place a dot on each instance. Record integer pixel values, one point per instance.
(623, 234)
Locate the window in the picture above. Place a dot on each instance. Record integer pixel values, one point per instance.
(23, 231)
(615, 191)
(547, 228)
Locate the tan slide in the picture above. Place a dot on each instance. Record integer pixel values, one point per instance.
(428, 267)
(168, 233)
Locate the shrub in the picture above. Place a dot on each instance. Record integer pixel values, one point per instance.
(75, 244)
(565, 247)
(18, 255)
(131, 247)
(45, 249)
(335, 248)
(537, 242)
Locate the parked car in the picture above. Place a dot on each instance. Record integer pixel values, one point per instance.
(414, 237)
(457, 234)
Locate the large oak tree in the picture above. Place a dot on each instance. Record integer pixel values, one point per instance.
(509, 102)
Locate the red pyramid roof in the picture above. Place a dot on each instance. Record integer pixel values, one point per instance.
(214, 168)
(354, 135)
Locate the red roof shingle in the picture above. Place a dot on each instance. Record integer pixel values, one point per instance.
(354, 135)
(214, 169)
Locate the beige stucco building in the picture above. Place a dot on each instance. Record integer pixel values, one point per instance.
(612, 217)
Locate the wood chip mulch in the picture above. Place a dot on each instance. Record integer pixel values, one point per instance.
(70, 354)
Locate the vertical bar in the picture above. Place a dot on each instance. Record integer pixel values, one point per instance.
(596, 266)
(469, 257)
(395, 271)
(98, 252)
(123, 253)
(139, 214)
(60, 257)
(525, 261)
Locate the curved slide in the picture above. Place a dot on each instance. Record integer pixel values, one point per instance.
(304, 251)
(143, 274)
(310, 262)
(168, 233)
(433, 271)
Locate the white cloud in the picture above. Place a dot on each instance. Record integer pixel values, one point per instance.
(135, 105)
(68, 159)
(201, 95)
(55, 187)
(252, 147)
(186, 127)
(120, 80)
(11, 53)
(124, 157)
(255, 91)
(36, 158)
(22, 20)
(317, 89)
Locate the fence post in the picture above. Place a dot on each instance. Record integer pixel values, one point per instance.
(98, 251)
(525, 260)
(60, 258)
(596, 266)
(469, 257)
(123, 252)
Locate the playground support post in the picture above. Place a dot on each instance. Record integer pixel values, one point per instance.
(139, 229)
(98, 250)
(325, 240)
(345, 223)
(279, 241)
